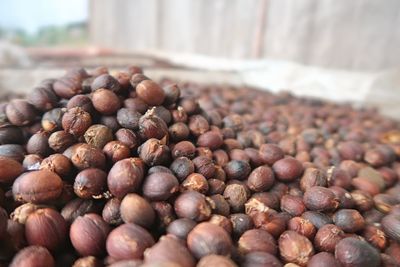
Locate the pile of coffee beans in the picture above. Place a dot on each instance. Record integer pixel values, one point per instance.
(114, 169)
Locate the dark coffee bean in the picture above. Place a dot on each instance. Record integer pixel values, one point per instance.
(128, 118)
(43, 98)
(82, 101)
(106, 81)
(355, 252)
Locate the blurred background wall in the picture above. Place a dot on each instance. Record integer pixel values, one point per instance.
(357, 34)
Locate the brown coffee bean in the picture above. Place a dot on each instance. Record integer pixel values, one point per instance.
(127, 137)
(37, 187)
(221, 221)
(287, 169)
(323, 259)
(215, 260)
(120, 240)
(3, 222)
(237, 195)
(320, 199)
(106, 81)
(19, 112)
(390, 225)
(189, 105)
(261, 179)
(198, 125)
(33, 256)
(32, 162)
(240, 223)
(302, 226)
(79, 207)
(293, 205)
(172, 94)
(351, 150)
(137, 78)
(128, 118)
(182, 167)
(165, 250)
(150, 92)
(375, 237)
(111, 212)
(318, 219)
(137, 210)
(179, 115)
(196, 182)
(43, 98)
(362, 200)
(257, 240)
(88, 234)
(39, 144)
(385, 202)
(154, 152)
(192, 205)
(136, 104)
(105, 101)
(152, 126)
(258, 259)
(52, 119)
(271, 153)
(237, 169)
(67, 87)
(379, 156)
(210, 139)
(349, 220)
(181, 227)
(327, 237)
(164, 213)
(184, 149)
(11, 151)
(59, 141)
(86, 156)
(366, 185)
(98, 135)
(87, 261)
(178, 131)
(295, 248)
(204, 166)
(355, 252)
(239, 154)
(234, 122)
(9, 169)
(57, 163)
(116, 151)
(373, 176)
(216, 186)
(10, 134)
(207, 238)
(46, 227)
(82, 101)
(125, 177)
(91, 183)
(312, 177)
(254, 156)
(344, 197)
(110, 121)
(262, 202)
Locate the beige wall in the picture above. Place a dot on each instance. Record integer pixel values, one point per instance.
(346, 34)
